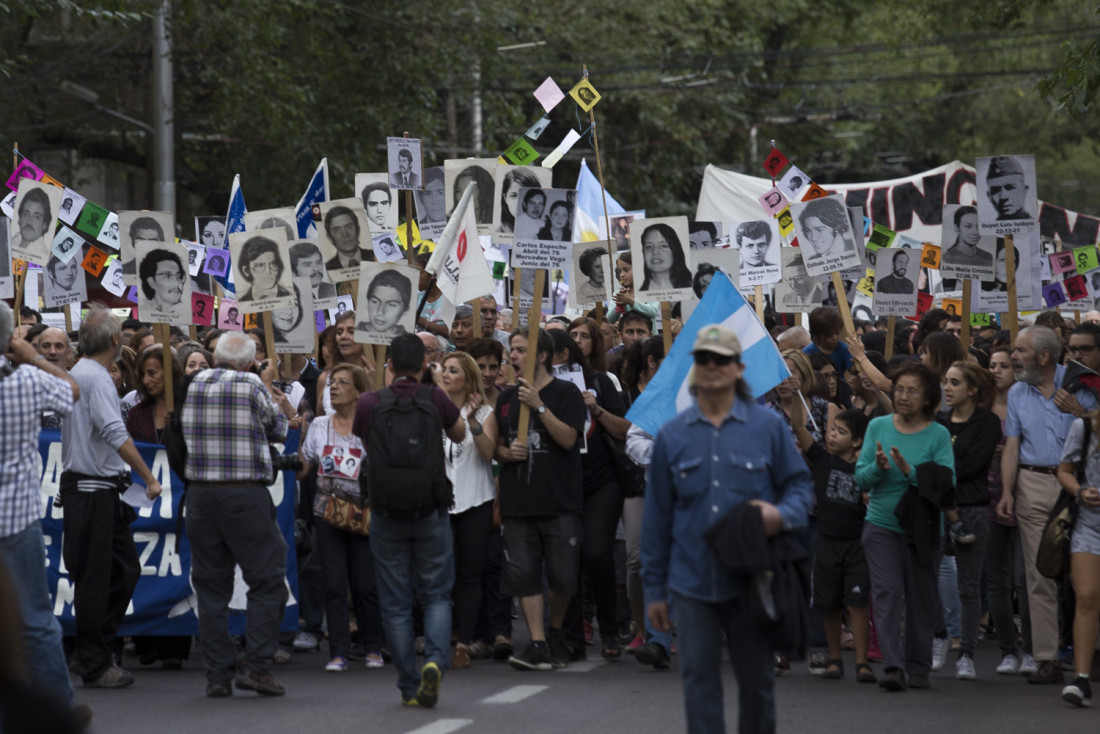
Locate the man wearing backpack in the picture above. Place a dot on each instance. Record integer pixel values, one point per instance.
(402, 427)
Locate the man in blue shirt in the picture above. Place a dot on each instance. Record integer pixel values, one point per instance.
(1038, 420)
(721, 452)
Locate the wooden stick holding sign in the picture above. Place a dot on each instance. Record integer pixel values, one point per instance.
(516, 290)
(603, 191)
(964, 335)
(531, 360)
(163, 334)
(475, 306)
(891, 326)
(842, 304)
(1010, 277)
(758, 301)
(380, 365)
(666, 324)
(20, 272)
(68, 317)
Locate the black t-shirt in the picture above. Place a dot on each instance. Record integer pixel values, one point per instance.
(840, 508)
(549, 482)
(595, 462)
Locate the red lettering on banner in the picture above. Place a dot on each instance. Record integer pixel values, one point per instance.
(461, 245)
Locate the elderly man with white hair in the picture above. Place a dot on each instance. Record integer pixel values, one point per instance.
(230, 415)
(29, 385)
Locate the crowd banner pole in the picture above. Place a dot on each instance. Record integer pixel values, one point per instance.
(515, 298)
(891, 326)
(410, 251)
(758, 301)
(964, 335)
(20, 273)
(1010, 275)
(269, 340)
(842, 303)
(68, 317)
(380, 368)
(599, 175)
(666, 324)
(531, 360)
(194, 332)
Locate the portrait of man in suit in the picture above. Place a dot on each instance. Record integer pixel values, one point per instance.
(405, 177)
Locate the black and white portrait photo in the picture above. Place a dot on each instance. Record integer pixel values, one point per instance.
(386, 248)
(509, 180)
(712, 263)
(405, 163)
(387, 302)
(36, 206)
(283, 218)
(431, 204)
(109, 234)
(113, 280)
(992, 297)
(138, 226)
(63, 283)
(379, 201)
(71, 204)
(345, 238)
(344, 304)
(195, 255)
(704, 235)
(792, 183)
(229, 316)
(895, 291)
(217, 262)
(591, 280)
(544, 228)
(584, 94)
(210, 231)
(261, 269)
(758, 243)
(1007, 198)
(293, 326)
(67, 244)
(824, 232)
(461, 173)
(164, 288)
(307, 263)
(965, 253)
(797, 292)
(659, 251)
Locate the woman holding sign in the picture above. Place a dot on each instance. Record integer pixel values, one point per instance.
(336, 454)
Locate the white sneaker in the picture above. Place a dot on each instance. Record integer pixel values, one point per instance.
(940, 648)
(1028, 665)
(964, 668)
(1009, 665)
(305, 642)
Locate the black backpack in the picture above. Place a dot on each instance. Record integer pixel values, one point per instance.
(407, 476)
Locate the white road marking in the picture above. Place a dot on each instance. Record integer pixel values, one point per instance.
(582, 667)
(515, 694)
(442, 726)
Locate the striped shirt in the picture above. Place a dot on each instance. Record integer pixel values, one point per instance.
(228, 420)
(24, 395)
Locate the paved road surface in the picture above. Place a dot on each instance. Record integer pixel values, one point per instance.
(595, 696)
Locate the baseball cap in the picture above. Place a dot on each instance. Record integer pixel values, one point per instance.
(719, 340)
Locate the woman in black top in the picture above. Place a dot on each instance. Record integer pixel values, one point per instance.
(975, 431)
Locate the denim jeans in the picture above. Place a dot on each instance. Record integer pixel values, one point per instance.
(969, 560)
(698, 626)
(948, 584)
(25, 556)
(414, 556)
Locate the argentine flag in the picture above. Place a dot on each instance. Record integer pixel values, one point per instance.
(316, 192)
(234, 222)
(667, 393)
(586, 223)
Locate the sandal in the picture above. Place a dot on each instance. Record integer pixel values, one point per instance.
(611, 649)
(834, 668)
(864, 674)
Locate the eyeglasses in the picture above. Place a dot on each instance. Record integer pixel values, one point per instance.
(170, 276)
(1081, 349)
(829, 375)
(265, 267)
(489, 313)
(908, 392)
(704, 358)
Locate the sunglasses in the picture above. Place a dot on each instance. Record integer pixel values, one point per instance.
(704, 358)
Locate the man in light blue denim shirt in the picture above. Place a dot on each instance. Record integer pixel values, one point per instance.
(719, 453)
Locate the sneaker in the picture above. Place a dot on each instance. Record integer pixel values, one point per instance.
(306, 642)
(1027, 665)
(113, 677)
(1049, 673)
(430, 678)
(1079, 692)
(1009, 665)
(633, 645)
(892, 680)
(1065, 657)
(374, 661)
(337, 665)
(960, 534)
(502, 648)
(819, 661)
(218, 690)
(652, 653)
(410, 702)
(461, 657)
(265, 684)
(559, 650)
(282, 657)
(964, 668)
(940, 648)
(535, 657)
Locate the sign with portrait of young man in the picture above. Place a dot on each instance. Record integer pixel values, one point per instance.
(896, 274)
(1007, 198)
(164, 287)
(387, 302)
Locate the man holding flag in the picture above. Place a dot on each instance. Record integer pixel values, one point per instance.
(722, 453)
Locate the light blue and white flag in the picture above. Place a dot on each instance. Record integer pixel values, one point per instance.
(316, 192)
(668, 392)
(587, 224)
(234, 222)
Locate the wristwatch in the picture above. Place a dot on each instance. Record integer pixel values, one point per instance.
(542, 409)
(476, 429)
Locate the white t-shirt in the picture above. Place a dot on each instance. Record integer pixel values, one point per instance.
(333, 456)
(471, 475)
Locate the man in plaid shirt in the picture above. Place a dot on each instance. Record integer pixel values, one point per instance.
(229, 418)
(29, 385)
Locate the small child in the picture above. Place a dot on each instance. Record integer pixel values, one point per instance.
(840, 575)
(826, 332)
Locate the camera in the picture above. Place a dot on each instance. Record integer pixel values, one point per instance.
(285, 462)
